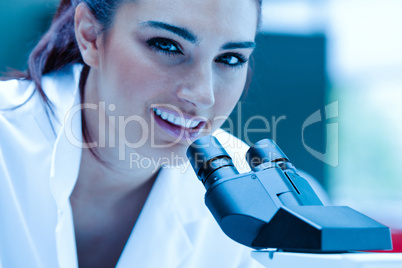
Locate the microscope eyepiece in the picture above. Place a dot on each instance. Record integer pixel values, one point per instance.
(265, 154)
(210, 160)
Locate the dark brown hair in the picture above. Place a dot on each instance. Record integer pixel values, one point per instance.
(58, 47)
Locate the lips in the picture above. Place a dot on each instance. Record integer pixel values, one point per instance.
(177, 120)
(178, 126)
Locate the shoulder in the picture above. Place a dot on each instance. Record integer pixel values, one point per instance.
(14, 93)
(25, 118)
(57, 86)
(61, 86)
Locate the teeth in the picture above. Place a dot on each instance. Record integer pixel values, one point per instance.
(194, 124)
(179, 121)
(164, 115)
(188, 124)
(171, 118)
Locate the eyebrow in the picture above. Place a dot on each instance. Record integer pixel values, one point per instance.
(189, 36)
(180, 31)
(235, 45)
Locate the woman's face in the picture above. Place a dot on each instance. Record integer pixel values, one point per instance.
(169, 71)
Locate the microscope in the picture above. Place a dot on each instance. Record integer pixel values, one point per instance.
(275, 211)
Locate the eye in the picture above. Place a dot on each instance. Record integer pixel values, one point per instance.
(164, 45)
(232, 60)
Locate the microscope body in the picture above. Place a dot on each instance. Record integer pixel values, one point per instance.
(273, 207)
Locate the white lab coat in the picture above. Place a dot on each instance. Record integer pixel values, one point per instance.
(38, 171)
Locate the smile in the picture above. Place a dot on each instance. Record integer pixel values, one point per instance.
(176, 120)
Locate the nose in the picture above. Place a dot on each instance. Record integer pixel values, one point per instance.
(197, 87)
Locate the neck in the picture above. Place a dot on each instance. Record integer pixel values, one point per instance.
(105, 179)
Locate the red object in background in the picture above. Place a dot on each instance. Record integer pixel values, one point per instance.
(396, 240)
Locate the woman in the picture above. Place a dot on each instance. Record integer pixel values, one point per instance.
(114, 94)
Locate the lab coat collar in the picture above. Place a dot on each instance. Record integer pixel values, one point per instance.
(161, 227)
(67, 150)
(66, 155)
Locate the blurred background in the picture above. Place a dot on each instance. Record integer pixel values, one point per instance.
(327, 88)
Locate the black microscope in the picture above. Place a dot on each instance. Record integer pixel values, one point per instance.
(273, 207)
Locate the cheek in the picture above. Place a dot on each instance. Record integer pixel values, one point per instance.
(129, 78)
(230, 92)
(227, 97)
